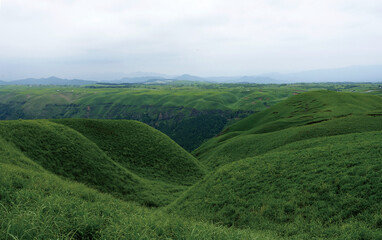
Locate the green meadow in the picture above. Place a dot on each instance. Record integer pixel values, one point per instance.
(300, 161)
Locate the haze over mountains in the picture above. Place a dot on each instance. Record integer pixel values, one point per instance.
(47, 81)
(371, 73)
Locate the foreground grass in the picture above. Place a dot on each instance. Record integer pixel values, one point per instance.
(326, 187)
(39, 205)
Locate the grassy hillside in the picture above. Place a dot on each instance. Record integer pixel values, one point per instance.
(10, 154)
(141, 149)
(220, 151)
(308, 115)
(326, 187)
(39, 205)
(65, 152)
(308, 167)
(309, 108)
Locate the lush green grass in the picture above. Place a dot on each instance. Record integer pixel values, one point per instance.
(10, 154)
(308, 115)
(220, 151)
(65, 152)
(326, 187)
(141, 149)
(308, 108)
(39, 205)
(309, 167)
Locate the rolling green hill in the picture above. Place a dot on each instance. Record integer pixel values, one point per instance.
(326, 187)
(308, 115)
(300, 176)
(66, 152)
(42, 163)
(309, 108)
(140, 149)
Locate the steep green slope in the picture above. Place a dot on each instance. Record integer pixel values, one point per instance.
(309, 167)
(219, 151)
(65, 152)
(141, 149)
(10, 154)
(305, 116)
(325, 187)
(308, 108)
(39, 205)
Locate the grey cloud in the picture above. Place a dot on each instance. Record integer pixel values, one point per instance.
(210, 37)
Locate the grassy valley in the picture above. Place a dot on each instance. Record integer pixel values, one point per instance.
(57, 183)
(307, 166)
(188, 112)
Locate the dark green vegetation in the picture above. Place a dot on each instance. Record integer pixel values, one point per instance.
(309, 167)
(188, 112)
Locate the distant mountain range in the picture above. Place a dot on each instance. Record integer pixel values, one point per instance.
(136, 79)
(348, 74)
(48, 81)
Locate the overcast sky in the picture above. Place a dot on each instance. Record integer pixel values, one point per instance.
(106, 38)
